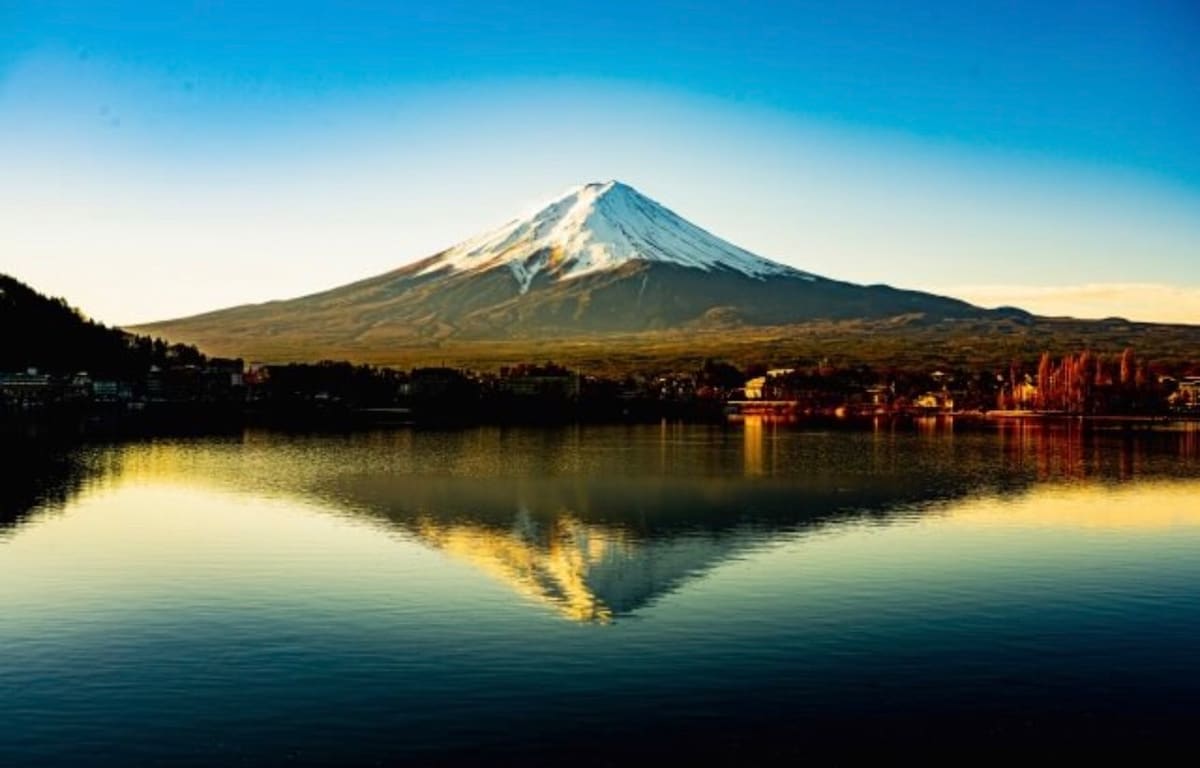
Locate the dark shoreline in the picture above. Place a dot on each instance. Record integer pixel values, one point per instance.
(198, 420)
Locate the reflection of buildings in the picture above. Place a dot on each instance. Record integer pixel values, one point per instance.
(752, 436)
(934, 426)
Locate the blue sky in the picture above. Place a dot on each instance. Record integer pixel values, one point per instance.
(214, 153)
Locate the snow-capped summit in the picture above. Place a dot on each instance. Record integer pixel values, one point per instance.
(598, 227)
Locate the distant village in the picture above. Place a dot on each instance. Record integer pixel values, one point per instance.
(1084, 384)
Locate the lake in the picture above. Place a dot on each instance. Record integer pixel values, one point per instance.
(596, 594)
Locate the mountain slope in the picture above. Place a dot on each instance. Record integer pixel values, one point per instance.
(601, 259)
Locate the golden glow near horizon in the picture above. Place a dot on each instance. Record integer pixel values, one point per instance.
(1095, 507)
(1155, 302)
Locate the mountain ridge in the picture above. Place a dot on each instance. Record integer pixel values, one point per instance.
(601, 259)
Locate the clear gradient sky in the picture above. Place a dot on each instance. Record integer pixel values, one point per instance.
(165, 160)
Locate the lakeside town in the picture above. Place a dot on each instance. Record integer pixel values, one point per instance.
(1084, 384)
(62, 365)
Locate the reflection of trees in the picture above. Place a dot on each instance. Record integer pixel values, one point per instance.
(1070, 450)
(1050, 451)
(41, 475)
(1189, 442)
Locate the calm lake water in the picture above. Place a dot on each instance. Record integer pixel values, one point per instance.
(595, 593)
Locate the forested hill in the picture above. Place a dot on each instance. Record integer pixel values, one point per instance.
(48, 334)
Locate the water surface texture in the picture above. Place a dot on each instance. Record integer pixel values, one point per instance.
(595, 593)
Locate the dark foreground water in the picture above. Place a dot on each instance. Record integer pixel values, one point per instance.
(594, 595)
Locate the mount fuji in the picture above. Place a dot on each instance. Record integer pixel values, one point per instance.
(602, 259)
(597, 228)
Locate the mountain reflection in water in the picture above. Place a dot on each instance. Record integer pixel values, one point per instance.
(600, 522)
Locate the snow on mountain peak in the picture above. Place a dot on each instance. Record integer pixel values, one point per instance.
(597, 227)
